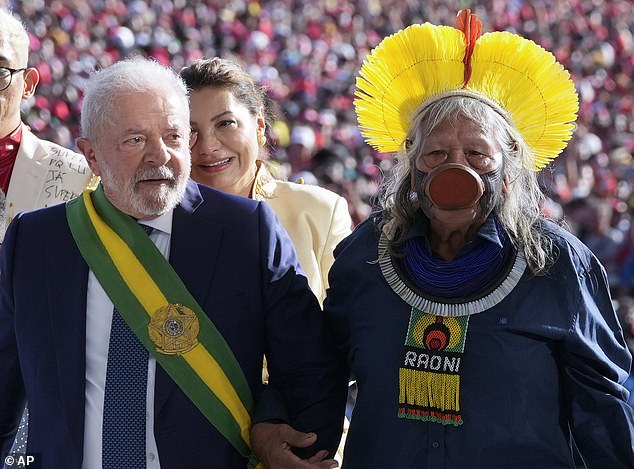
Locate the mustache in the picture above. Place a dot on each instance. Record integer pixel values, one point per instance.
(156, 172)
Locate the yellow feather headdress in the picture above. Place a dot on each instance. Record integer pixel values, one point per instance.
(424, 62)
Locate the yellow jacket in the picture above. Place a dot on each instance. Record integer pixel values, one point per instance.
(315, 218)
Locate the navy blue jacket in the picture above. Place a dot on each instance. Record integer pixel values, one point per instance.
(239, 264)
(544, 366)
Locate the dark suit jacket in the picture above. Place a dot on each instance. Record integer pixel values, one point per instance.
(235, 259)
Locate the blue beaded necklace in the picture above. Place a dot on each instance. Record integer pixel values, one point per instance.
(459, 278)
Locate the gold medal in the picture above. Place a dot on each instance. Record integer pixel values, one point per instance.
(174, 329)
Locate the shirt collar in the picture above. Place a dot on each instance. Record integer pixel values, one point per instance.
(161, 223)
(487, 232)
(264, 183)
(12, 141)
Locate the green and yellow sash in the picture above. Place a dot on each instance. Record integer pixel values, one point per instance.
(169, 322)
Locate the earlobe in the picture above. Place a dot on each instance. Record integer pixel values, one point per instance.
(260, 123)
(85, 146)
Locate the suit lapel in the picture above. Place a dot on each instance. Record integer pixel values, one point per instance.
(28, 176)
(67, 300)
(194, 245)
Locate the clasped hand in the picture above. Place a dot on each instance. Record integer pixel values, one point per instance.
(272, 443)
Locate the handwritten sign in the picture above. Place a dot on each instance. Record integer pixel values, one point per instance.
(64, 167)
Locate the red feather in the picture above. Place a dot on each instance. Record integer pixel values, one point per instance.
(471, 26)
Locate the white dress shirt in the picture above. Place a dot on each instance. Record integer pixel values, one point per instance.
(98, 322)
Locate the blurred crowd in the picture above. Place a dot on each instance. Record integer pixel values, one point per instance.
(306, 53)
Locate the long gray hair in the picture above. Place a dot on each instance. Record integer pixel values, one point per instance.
(519, 208)
(135, 74)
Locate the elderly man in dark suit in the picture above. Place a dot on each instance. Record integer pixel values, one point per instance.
(137, 351)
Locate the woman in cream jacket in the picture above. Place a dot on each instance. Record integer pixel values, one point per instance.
(228, 118)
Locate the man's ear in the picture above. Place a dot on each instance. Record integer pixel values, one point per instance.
(515, 150)
(31, 79)
(88, 149)
(505, 185)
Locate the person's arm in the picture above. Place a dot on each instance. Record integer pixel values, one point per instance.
(338, 229)
(306, 372)
(596, 363)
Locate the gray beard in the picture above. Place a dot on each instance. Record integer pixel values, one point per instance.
(160, 202)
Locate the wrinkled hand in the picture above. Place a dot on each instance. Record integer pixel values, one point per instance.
(273, 443)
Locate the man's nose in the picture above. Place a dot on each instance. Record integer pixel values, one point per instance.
(457, 156)
(157, 152)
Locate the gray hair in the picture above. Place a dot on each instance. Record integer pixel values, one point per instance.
(13, 31)
(518, 209)
(136, 74)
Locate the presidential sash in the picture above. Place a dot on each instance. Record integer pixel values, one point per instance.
(159, 309)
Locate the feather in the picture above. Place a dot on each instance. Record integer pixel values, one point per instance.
(514, 75)
(471, 26)
(531, 86)
(420, 61)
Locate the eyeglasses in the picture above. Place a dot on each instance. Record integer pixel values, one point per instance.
(6, 74)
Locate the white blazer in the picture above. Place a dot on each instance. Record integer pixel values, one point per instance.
(44, 174)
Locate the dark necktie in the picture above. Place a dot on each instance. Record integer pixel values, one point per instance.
(124, 409)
